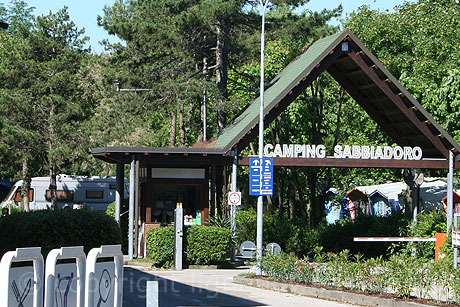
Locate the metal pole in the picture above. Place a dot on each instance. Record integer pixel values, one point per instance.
(455, 249)
(260, 202)
(204, 115)
(450, 199)
(136, 210)
(131, 208)
(233, 207)
(179, 235)
(450, 194)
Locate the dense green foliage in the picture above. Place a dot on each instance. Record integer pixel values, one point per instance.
(428, 224)
(402, 276)
(160, 246)
(292, 236)
(295, 237)
(203, 245)
(57, 101)
(207, 245)
(51, 229)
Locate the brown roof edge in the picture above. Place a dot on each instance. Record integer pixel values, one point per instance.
(159, 150)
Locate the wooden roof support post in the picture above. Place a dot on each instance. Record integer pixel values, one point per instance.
(212, 208)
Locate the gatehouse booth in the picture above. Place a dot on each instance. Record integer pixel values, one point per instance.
(162, 177)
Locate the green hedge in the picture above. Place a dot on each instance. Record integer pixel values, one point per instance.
(51, 229)
(160, 246)
(203, 245)
(207, 244)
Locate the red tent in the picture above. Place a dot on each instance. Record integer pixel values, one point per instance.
(456, 202)
(357, 195)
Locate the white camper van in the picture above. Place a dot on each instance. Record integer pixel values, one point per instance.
(73, 192)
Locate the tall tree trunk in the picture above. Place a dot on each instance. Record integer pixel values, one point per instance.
(291, 202)
(53, 186)
(202, 108)
(26, 184)
(181, 124)
(172, 136)
(221, 71)
(52, 162)
(316, 208)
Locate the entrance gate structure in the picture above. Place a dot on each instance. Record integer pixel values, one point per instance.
(354, 67)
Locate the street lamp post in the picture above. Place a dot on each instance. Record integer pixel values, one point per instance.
(260, 203)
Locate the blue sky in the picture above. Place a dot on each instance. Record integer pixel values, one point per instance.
(84, 12)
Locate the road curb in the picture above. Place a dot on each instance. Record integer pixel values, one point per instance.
(326, 294)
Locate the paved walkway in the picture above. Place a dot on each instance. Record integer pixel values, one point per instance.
(206, 288)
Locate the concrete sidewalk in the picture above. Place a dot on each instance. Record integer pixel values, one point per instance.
(207, 288)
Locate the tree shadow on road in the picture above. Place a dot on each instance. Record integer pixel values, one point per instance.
(173, 293)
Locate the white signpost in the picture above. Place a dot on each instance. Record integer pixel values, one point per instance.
(65, 283)
(22, 286)
(104, 280)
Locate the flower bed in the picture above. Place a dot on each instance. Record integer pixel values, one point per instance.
(403, 277)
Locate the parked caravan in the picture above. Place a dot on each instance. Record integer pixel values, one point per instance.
(73, 192)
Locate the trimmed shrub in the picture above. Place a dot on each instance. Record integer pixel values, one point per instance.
(207, 244)
(203, 245)
(51, 229)
(160, 246)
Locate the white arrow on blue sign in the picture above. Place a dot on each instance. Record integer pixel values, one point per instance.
(261, 177)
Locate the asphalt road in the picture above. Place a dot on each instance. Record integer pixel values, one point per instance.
(206, 288)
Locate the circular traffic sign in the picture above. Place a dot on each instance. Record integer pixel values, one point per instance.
(247, 249)
(273, 248)
(234, 198)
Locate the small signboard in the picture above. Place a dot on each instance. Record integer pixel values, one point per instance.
(105, 284)
(261, 177)
(21, 287)
(65, 285)
(234, 198)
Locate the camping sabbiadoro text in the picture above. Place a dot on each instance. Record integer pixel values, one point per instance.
(343, 152)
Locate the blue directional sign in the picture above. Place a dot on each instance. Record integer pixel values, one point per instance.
(261, 177)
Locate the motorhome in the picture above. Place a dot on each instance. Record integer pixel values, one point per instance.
(73, 192)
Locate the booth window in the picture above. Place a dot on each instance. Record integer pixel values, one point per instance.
(95, 194)
(61, 195)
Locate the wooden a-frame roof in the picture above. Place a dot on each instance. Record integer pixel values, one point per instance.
(364, 78)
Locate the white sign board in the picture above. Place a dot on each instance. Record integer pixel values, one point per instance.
(65, 285)
(234, 198)
(104, 295)
(21, 287)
